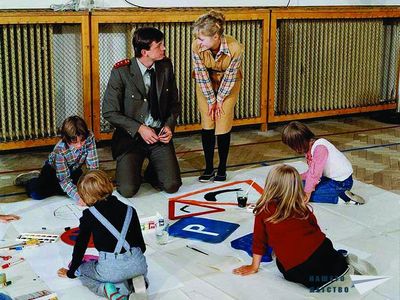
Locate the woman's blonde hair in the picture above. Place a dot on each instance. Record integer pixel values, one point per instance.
(209, 24)
(94, 186)
(283, 187)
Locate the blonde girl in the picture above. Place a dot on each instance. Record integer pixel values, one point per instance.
(217, 71)
(285, 222)
(116, 235)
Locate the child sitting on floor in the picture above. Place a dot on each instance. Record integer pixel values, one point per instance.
(117, 236)
(285, 222)
(63, 168)
(329, 175)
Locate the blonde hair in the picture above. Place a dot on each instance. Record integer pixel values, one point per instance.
(209, 24)
(94, 186)
(283, 187)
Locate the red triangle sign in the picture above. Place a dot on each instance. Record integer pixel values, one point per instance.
(178, 209)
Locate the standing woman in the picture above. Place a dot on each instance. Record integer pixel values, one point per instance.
(216, 64)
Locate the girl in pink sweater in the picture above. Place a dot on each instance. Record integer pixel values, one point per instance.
(329, 175)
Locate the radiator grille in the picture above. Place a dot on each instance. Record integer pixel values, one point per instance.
(335, 64)
(40, 79)
(178, 39)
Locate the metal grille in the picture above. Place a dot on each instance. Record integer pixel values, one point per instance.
(40, 79)
(178, 40)
(335, 64)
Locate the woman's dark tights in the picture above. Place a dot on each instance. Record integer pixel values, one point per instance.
(208, 141)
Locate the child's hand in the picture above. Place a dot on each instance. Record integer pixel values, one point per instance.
(8, 218)
(307, 198)
(62, 272)
(245, 270)
(80, 202)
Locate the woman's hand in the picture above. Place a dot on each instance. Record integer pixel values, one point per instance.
(245, 270)
(211, 110)
(62, 272)
(218, 111)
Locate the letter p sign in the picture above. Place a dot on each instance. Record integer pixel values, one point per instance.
(199, 229)
(206, 230)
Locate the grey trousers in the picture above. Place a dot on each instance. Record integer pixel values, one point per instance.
(114, 268)
(164, 173)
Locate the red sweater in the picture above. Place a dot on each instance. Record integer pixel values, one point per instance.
(293, 240)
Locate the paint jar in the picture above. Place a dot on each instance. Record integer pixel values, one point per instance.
(162, 234)
(241, 198)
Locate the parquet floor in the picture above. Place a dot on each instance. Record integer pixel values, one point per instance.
(372, 146)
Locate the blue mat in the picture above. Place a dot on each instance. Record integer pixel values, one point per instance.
(245, 243)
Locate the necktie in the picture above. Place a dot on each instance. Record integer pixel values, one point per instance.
(152, 95)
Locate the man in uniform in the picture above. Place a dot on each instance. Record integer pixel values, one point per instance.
(142, 103)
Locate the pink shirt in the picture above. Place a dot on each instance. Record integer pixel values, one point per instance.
(316, 163)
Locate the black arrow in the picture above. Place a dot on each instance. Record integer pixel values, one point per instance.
(183, 209)
(211, 196)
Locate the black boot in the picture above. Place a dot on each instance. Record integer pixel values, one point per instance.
(224, 141)
(208, 142)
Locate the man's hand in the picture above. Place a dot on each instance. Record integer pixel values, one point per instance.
(62, 272)
(148, 134)
(165, 134)
(8, 218)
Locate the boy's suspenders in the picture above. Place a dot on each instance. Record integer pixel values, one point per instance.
(120, 236)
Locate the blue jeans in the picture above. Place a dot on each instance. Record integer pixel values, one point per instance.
(329, 190)
(114, 268)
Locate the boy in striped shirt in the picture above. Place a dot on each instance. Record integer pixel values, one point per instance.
(63, 168)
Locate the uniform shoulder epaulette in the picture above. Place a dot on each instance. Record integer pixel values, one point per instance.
(121, 63)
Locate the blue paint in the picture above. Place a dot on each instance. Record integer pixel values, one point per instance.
(245, 243)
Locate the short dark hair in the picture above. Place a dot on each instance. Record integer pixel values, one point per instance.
(297, 136)
(144, 37)
(73, 127)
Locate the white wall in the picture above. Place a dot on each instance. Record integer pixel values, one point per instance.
(21, 4)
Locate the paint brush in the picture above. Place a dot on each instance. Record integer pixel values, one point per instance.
(248, 190)
(195, 249)
(12, 263)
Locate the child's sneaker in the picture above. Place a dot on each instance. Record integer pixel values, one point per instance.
(360, 266)
(23, 178)
(358, 200)
(139, 288)
(111, 292)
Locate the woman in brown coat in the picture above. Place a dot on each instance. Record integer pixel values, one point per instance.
(216, 64)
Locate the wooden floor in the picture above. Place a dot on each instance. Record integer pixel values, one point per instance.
(371, 145)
